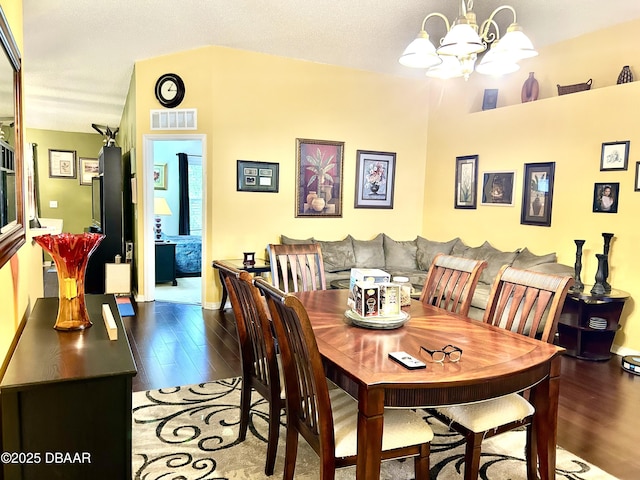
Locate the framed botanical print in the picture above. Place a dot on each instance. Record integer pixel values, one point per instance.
(319, 178)
(160, 177)
(62, 164)
(537, 194)
(466, 186)
(375, 177)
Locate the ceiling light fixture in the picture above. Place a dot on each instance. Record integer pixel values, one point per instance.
(458, 51)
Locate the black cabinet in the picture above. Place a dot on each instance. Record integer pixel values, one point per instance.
(166, 262)
(68, 392)
(115, 172)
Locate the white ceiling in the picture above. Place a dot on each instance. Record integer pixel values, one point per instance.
(79, 54)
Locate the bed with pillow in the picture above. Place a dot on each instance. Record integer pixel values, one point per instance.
(188, 254)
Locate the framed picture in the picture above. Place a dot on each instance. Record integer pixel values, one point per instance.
(375, 178)
(637, 182)
(62, 163)
(537, 194)
(319, 178)
(88, 168)
(490, 99)
(615, 156)
(257, 176)
(497, 188)
(160, 177)
(466, 188)
(605, 197)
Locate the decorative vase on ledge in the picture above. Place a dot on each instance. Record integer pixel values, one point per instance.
(71, 253)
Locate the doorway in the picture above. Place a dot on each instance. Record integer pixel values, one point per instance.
(162, 179)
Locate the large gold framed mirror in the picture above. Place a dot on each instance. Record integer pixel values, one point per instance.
(12, 213)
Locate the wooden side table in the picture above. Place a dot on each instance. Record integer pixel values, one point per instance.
(589, 323)
(259, 267)
(166, 262)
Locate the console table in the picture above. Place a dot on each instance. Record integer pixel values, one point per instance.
(66, 398)
(581, 313)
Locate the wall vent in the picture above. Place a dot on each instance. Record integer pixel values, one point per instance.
(179, 119)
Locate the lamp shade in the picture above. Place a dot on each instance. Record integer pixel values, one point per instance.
(461, 40)
(497, 62)
(160, 206)
(516, 43)
(449, 68)
(420, 53)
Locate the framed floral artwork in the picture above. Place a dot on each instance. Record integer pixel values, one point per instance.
(537, 194)
(466, 182)
(160, 177)
(375, 177)
(319, 178)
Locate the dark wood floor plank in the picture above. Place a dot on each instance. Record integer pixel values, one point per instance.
(175, 344)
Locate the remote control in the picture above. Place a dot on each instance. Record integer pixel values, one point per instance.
(406, 360)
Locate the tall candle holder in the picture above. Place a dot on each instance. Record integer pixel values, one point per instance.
(578, 286)
(598, 287)
(607, 241)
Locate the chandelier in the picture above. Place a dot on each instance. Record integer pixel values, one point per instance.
(459, 48)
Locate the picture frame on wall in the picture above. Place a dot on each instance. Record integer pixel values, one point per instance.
(636, 187)
(319, 166)
(257, 176)
(160, 177)
(490, 99)
(497, 188)
(606, 197)
(375, 178)
(614, 156)
(537, 194)
(88, 168)
(62, 163)
(466, 187)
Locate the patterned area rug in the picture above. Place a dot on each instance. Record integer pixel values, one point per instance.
(191, 433)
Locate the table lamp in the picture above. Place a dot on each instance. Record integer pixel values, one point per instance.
(160, 207)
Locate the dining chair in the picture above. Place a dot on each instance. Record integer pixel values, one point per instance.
(528, 303)
(261, 368)
(300, 264)
(328, 418)
(451, 282)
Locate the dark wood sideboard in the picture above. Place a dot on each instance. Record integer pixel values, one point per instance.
(66, 399)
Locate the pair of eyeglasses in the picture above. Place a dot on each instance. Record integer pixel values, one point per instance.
(451, 352)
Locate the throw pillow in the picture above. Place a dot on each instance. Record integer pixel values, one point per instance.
(525, 259)
(400, 255)
(427, 249)
(459, 248)
(337, 256)
(294, 241)
(369, 253)
(495, 258)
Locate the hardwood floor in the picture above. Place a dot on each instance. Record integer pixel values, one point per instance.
(177, 344)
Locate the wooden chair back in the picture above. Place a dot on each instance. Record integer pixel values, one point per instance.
(260, 369)
(527, 302)
(297, 267)
(451, 282)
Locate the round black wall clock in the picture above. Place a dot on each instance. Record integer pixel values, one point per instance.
(170, 90)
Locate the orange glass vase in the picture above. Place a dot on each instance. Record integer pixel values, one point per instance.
(71, 253)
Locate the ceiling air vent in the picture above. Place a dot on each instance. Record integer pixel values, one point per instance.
(178, 119)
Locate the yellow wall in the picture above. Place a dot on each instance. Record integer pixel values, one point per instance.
(74, 200)
(567, 130)
(253, 107)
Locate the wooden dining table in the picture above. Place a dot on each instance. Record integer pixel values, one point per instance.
(494, 362)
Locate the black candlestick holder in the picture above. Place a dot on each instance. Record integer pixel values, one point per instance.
(578, 286)
(607, 242)
(598, 287)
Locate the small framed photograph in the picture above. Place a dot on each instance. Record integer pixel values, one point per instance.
(490, 99)
(160, 177)
(615, 156)
(605, 197)
(537, 194)
(319, 165)
(62, 163)
(497, 188)
(257, 176)
(466, 187)
(88, 168)
(375, 178)
(637, 182)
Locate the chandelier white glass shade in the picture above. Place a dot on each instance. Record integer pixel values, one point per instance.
(459, 49)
